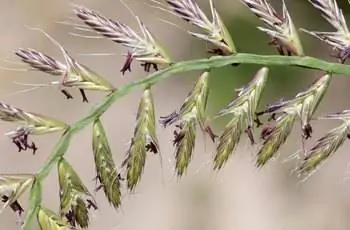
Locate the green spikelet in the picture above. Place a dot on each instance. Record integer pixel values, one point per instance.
(243, 109)
(196, 102)
(213, 31)
(280, 28)
(191, 113)
(228, 140)
(12, 186)
(303, 106)
(326, 145)
(276, 137)
(144, 140)
(312, 98)
(105, 166)
(185, 142)
(75, 199)
(49, 220)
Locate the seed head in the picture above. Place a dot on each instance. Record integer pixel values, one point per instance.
(105, 166)
(326, 145)
(12, 186)
(243, 109)
(311, 99)
(48, 220)
(277, 135)
(73, 74)
(215, 31)
(281, 28)
(184, 142)
(303, 106)
(144, 48)
(340, 39)
(144, 140)
(191, 113)
(32, 124)
(42, 62)
(75, 199)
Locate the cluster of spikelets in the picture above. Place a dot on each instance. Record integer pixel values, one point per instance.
(75, 199)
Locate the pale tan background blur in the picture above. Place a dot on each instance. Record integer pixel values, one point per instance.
(240, 197)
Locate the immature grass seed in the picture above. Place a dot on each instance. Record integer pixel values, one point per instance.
(243, 111)
(106, 171)
(144, 140)
(326, 145)
(75, 199)
(281, 28)
(277, 135)
(144, 48)
(303, 106)
(191, 113)
(340, 39)
(32, 124)
(12, 186)
(216, 32)
(73, 74)
(48, 220)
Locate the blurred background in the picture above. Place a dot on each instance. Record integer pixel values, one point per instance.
(238, 197)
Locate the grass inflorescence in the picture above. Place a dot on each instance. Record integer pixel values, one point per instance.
(275, 121)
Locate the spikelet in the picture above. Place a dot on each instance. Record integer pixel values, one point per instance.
(75, 199)
(144, 48)
(105, 166)
(144, 140)
(191, 113)
(326, 145)
(302, 106)
(281, 29)
(243, 110)
(274, 137)
(48, 220)
(32, 124)
(312, 98)
(215, 31)
(42, 62)
(340, 39)
(12, 186)
(73, 74)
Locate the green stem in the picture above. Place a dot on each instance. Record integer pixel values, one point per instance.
(180, 67)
